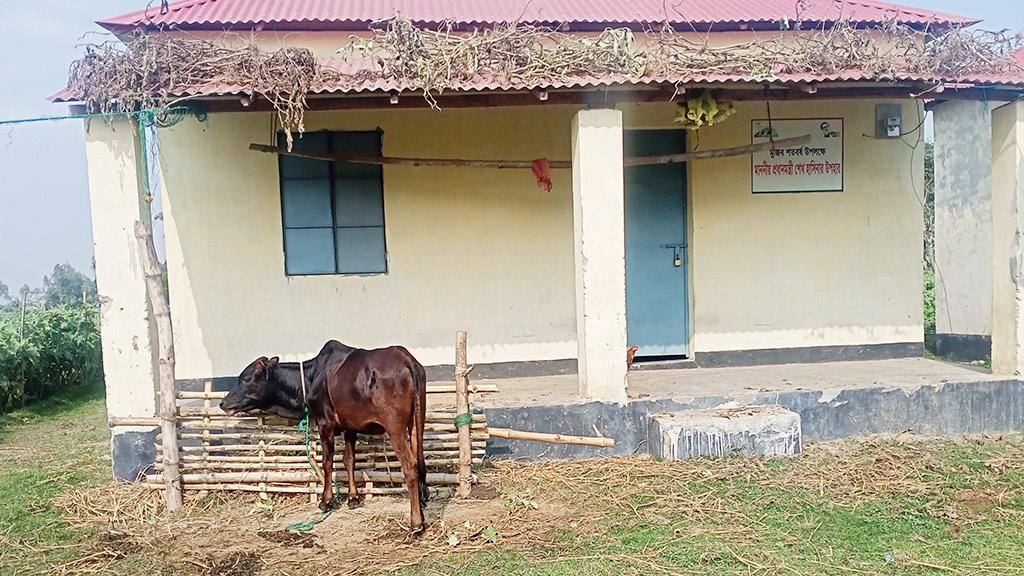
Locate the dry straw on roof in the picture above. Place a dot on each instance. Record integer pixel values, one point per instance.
(154, 70)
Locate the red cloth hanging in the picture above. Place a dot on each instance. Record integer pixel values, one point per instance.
(542, 170)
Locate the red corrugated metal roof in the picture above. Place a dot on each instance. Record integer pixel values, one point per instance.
(358, 14)
(364, 79)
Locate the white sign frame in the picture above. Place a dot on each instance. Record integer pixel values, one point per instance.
(818, 166)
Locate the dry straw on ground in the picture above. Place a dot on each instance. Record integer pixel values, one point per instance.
(156, 69)
(549, 509)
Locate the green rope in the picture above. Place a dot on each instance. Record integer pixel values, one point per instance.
(145, 111)
(308, 525)
(464, 419)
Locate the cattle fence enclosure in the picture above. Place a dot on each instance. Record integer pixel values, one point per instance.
(264, 453)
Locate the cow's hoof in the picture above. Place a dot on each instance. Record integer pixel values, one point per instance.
(324, 506)
(417, 530)
(355, 502)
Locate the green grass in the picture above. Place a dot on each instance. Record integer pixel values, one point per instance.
(793, 529)
(45, 448)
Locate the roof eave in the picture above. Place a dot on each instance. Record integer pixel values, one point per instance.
(119, 27)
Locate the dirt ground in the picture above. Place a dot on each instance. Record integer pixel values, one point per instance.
(241, 535)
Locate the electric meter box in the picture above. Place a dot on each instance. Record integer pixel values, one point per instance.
(888, 120)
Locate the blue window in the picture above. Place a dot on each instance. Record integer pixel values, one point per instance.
(333, 212)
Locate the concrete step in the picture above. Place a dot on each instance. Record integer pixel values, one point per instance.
(724, 430)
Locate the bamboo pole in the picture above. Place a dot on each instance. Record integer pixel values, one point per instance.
(716, 153)
(381, 160)
(256, 477)
(262, 465)
(132, 421)
(162, 314)
(462, 407)
(294, 489)
(207, 387)
(552, 438)
(473, 388)
(439, 420)
(528, 164)
(429, 451)
(432, 388)
(478, 432)
(216, 460)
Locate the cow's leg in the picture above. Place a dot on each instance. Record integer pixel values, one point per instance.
(403, 449)
(327, 445)
(350, 466)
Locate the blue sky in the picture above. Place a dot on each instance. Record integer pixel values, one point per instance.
(44, 202)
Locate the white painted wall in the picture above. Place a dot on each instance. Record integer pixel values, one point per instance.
(963, 218)
(485, 251)
(128, 337)
(489, 252)
(1007, 231)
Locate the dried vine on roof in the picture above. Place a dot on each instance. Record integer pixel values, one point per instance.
(892, 51)
(154, 70)
(434, 61)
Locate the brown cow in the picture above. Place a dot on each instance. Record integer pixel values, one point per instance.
(350, 391)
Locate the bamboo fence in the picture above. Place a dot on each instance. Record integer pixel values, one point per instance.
(210, 449)
(267, 454)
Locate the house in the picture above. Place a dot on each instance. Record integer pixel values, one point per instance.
(799, 254)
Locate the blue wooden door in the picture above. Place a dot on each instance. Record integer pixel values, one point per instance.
(657, 308)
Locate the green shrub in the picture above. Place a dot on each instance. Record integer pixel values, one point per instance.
(60, 350)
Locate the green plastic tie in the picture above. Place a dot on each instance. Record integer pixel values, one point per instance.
(464, 419)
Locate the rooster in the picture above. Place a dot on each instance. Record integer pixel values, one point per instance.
(630, 354)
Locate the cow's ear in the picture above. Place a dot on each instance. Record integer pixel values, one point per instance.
(273, 361)
(261, 362)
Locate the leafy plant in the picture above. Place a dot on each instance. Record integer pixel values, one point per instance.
(50, 350)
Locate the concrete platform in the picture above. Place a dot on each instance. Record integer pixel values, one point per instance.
(765, 430)
(834, 400)
(741, 383)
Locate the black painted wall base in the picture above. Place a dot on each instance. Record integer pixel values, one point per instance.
(808, 355)
(133, 453)
(963, 347)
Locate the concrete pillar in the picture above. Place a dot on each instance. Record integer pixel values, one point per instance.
(128, 335)
(599, 224)
(963, 229)
(1007, 247)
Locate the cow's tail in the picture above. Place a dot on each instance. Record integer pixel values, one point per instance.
(419, 417)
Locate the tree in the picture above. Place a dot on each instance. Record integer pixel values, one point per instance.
(5, 294)
(31, 296)
(68, 286)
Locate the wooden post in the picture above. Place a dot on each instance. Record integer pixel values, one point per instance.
(168, 401)
(24, 304)
(261, 422)
(462, 407)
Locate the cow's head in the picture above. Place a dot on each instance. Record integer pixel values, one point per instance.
(253, 391)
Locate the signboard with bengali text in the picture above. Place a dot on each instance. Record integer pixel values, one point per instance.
(813, 167)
